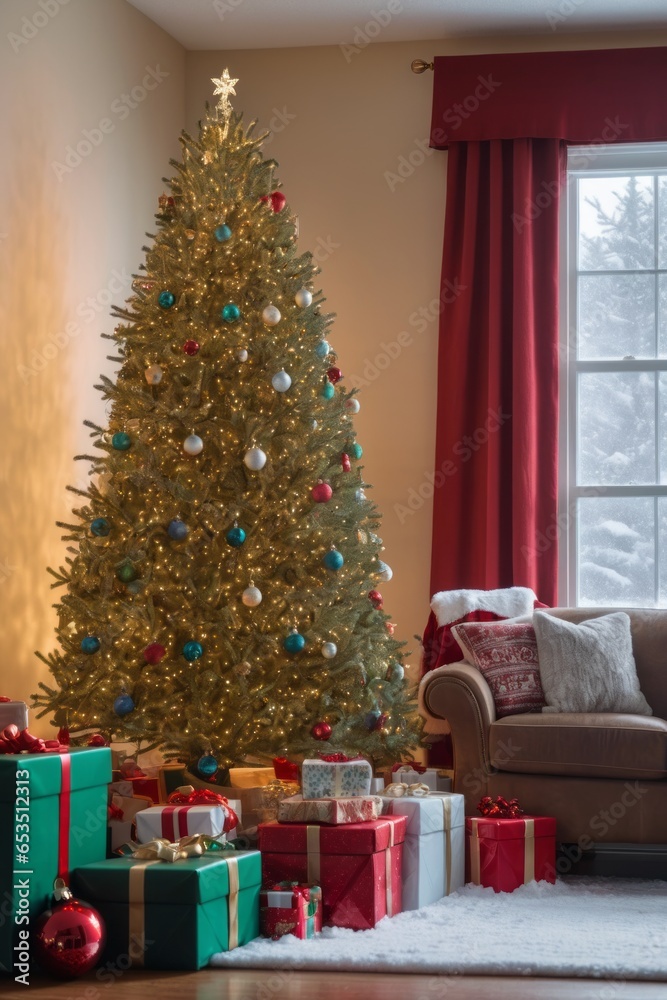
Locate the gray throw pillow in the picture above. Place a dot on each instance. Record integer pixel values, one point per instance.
(588, 667)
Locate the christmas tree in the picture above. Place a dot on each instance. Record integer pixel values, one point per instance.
(221, 587)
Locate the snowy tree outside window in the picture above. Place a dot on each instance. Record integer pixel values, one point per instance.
(614, 470)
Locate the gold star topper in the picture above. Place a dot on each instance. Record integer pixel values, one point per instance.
(224, 87)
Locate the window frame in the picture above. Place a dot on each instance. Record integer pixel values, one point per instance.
(589, 161)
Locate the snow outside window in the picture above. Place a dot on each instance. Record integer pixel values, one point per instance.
(613, 502)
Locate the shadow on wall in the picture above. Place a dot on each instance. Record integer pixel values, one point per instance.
(37, 435)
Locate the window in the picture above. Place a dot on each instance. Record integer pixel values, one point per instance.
(614, 378)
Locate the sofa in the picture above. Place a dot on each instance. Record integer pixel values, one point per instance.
(603, 776)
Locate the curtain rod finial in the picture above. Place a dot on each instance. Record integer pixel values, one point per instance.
(420, 66)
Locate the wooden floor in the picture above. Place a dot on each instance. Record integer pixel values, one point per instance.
(217, 984)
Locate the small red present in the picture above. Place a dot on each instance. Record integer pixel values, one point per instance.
(290, 908)
(507, 853)
(358, 866)
(285, 770)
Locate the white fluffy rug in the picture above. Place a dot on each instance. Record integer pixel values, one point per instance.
(590, 927)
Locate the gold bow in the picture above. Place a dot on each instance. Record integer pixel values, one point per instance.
(161, 850)
(399, 788)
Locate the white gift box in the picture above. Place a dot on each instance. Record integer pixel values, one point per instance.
(324, 779)
(430, 777)
(434, 846)
(183, 821)
(377, 786)
(13, 713)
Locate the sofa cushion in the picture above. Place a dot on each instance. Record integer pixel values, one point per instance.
(506, 654)
(594, 745)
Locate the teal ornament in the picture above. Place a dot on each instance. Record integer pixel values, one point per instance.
(207, 765)
(193, 651)
(126, 573)
(294, 642)
(121, 441)
(166, 300)
(333, 559)
(231, 313)
(123, 704)
(90, 644)
(100, 527)
(328, 389)
(356, 451)
(235, 537)
(222, 234)
(322, 349)
(177, 530)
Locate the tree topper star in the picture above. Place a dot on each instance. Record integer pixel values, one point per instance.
(224, 87)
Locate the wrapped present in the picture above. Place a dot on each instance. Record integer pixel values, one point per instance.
(358, 866)
(53, 813)
(162, 915)
(434, 848)
(336, 777)
(285, 769)
(411, 773)
(189, 811)
(122, 819)
(13, 713)
(250, 777)
(507, 853)
(290, 908)
(296, 809)
(377, 786)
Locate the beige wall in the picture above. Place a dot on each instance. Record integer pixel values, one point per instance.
(69, 237)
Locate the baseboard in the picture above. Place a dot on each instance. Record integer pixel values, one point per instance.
(618, 860)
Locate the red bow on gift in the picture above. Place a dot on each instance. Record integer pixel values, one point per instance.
(115, 812)
(285, 769)
(339, 758)
(412, 764)
(186, 795)
(499, 807)
(13, 740)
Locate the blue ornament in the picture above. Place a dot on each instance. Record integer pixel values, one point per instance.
(121, 441)
(222, 233)
(207, 765)
(356, 451)
(100, 527)
(90, 644)
(294, 642)
(333, 559)
(123, 704)
(328, 389)
(178, 530)
(372, 718)
(235, 536)
(193, 651)
(231, 313)
(322, 349)
(166, 300)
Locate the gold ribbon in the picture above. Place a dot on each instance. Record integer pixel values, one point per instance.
(233, 903)
(474, 851)
(313, 849)
(447, 825)
(161, 850)
(528, 851)
(398, 789)
(137, 923)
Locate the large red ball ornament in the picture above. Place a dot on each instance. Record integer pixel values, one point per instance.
(376, 598)
(97, 740)
(154, 652)
(68, 939)
(191, 347)
(334, 374)
(321, 731)
(322, 493)
(345, 462)
(390, 627)
(276, 200)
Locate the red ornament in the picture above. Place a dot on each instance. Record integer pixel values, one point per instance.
(376, 598)
(154, 652)
(63, 736)
(191, 347)
(68, 939)
(321, 731)
(334, 374)
(276, 200)
(382, 721)
(97, 741)
(390, 627)
(345, 462)
(322, 493)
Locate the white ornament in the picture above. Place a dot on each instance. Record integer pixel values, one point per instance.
(255, 459)
(251, 597)
(360, 496)
(281, 381)
(314, 424)
(242, 354)
(153, 374)
(329, 650)
(193, 445)
(385, 572)
(303, 298)
(352, 405)
(271, 315)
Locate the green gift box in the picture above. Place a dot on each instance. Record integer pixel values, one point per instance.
(163, 915)
(53, 814)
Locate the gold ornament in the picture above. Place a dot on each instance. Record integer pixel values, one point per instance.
(207, 158)
(189, 234)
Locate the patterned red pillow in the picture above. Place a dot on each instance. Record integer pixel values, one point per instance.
(506, 654)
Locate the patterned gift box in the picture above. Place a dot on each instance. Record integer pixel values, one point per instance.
(430, 776)
(296, 809)
(358, 866)
(434, 849)
(325, 779)
(507, 853)
(290, 908)
(13, 713)
(174, 916)
(174, 821)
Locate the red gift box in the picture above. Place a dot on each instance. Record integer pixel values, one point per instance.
(357, 865)
(506, 853)
(285, 770)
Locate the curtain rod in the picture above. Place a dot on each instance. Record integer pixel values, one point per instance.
(420, 65)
